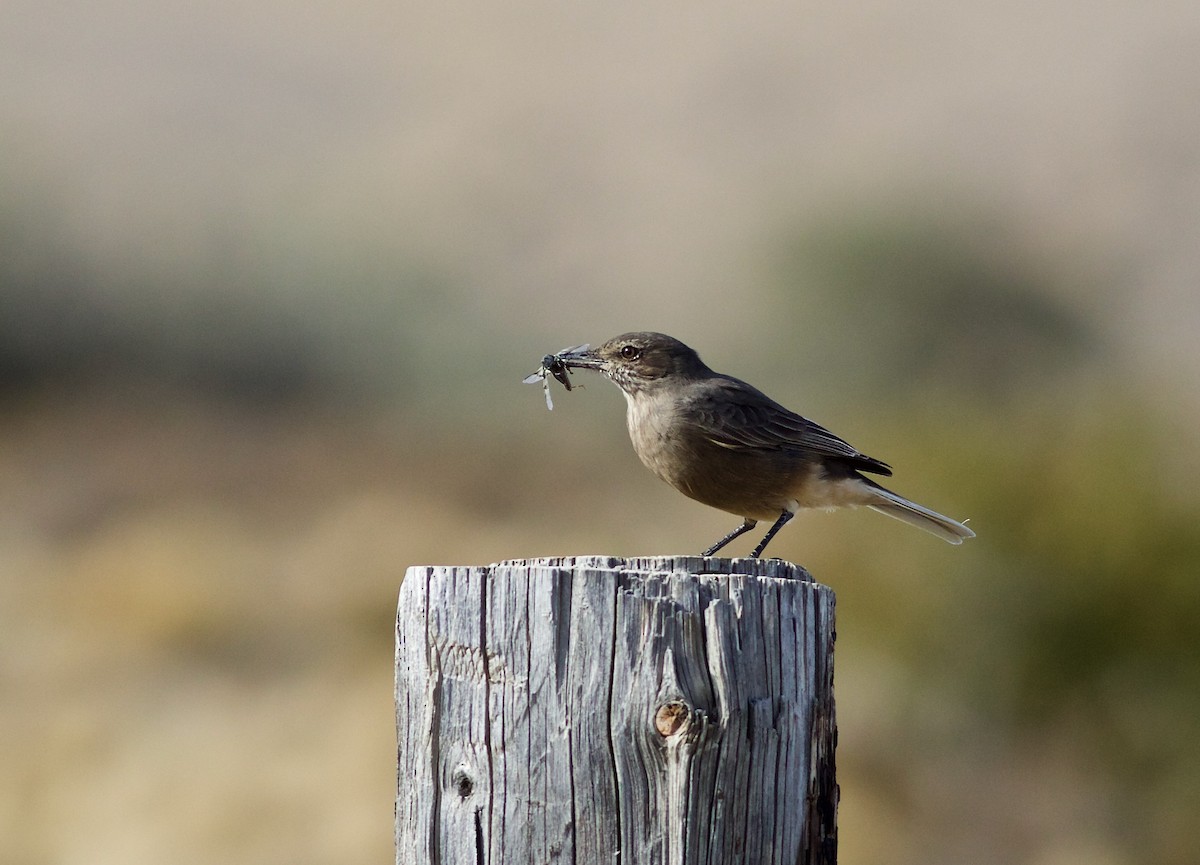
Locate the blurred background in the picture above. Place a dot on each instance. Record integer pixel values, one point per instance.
(270, 277)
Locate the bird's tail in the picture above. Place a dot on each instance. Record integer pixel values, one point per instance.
(900, 508)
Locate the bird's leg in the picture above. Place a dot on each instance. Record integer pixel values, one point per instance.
(762, 545)
(746, 526)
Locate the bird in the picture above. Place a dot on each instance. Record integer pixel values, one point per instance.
(726, 444)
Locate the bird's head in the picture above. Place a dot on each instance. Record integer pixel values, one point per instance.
(641, 361)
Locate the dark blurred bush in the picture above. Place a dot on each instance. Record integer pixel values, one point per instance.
(906, 301)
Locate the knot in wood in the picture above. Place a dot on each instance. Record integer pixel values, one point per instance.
(672, 718)
(463, 783)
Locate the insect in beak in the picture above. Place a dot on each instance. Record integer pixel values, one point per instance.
(555, 365)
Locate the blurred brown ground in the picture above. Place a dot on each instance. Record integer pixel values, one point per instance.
(270, 278)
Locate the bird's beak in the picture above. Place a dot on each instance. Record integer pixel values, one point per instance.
(581, 357)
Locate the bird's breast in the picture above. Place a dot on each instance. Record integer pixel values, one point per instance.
(655, 435)
(672, 446)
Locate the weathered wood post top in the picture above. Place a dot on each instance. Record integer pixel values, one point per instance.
(603, 711)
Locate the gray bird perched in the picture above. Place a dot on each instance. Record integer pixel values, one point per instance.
(722, 442)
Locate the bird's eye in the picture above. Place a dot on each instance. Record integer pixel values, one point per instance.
(630, 352)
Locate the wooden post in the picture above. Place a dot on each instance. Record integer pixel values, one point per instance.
(605, 711)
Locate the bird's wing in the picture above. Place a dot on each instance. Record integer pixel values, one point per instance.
(737, 416)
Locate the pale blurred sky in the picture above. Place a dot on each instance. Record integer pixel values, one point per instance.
(568, 171)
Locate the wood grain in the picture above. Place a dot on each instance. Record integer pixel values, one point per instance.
(596, 710)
